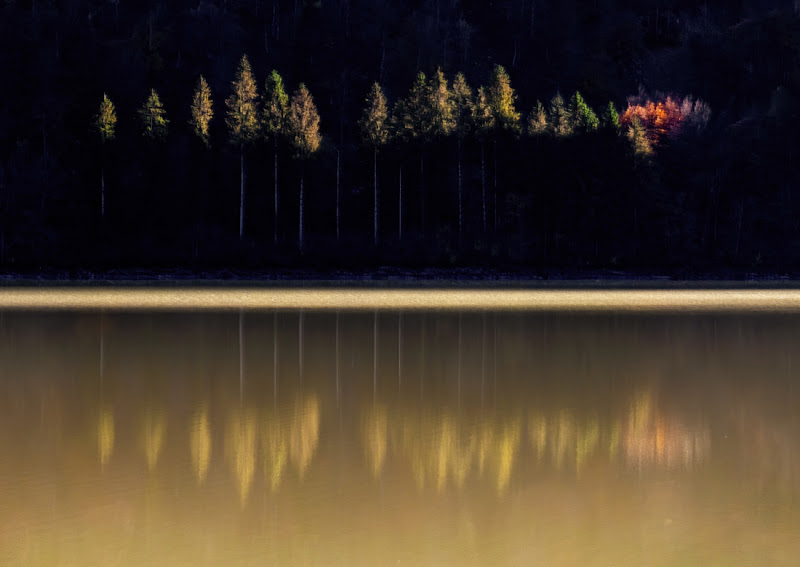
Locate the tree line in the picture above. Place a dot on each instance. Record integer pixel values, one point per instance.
(435, 111)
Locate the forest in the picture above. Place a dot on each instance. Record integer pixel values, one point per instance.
(553, 137)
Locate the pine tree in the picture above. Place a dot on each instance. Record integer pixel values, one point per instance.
(560, 118)
(105, 122)
(610, 118)
(583, 117)
(202, 110)
(537, 121)
(153, 118)
(242, 120)
(276, 107)
(374, 125)
(463, 109)
(303, 131)
(484, 122)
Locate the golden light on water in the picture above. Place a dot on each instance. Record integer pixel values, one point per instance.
(446, 298)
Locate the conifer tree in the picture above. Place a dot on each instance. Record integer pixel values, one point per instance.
(537, 121)
(637, 136)
(440, 106)
(560, 119)
(242, 120)
(202, 110)
(502, 100)
(374, 125)
(463, 109)
(303, 131)
(610, 118)
(583, 117)
(105, 122)
(153, 118)
(276, 107)
(413, 123)
(484, 122)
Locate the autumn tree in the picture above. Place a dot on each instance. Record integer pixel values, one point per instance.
(242, 120)
(559, 118)
(303, 131)
(153, 118)
(463, 110)
(537, 120)
(374, 125)
(639, 142)
(105, 122)
(502, 101)
(583, 117)
(276, 107)
(202, 110)
(484, 123)
(610, 118)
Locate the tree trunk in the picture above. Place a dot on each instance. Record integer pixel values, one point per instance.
(422, 189)
(302, 173)
(483, 183)
(494, 195)
(400, 208)
(460, 209)
(338, 151)
(375, 191)
(241, 195)
(275, 169)
(102, 192)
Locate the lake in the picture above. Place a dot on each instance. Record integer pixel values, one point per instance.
(399, 437)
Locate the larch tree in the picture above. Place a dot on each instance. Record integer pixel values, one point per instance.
(560, 118)
(584, 118)
(502, 101)
(374, 125)
(441, 111)
(242, 120)
(610, 118)
(463, 110)
(412, 123)
(537, 120)
(105, 122)
(202, 111)
(153, 118)
(484, 123)
(276, 108)
(303, 131)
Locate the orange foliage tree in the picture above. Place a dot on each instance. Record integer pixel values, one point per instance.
(665, 117)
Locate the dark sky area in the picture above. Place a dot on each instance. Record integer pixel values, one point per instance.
(644, 137)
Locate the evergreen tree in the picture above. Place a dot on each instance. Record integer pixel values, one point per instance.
(276, 107)
(560, 118)
(153, 118)
(484, 123)
(639, 144)
(105, 122)
(583, 117)
(610, 118)
(242, 120)
(537, 121)
(202, 110)
(303, 131)
(374, 125)
(463, 108)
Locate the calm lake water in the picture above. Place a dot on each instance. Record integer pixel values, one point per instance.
(386, 438)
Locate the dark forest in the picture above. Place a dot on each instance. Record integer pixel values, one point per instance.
(548, 136)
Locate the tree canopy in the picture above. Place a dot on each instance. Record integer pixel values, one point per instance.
(153, 117)
(303, 123)
(242, 118)
(105, 121)
(202, 110)
(374, 121)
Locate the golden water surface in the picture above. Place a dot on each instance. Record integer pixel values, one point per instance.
(399, 438)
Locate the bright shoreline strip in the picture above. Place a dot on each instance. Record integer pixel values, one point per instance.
(453, 299)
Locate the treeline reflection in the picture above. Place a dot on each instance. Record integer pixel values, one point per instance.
(438, 448)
